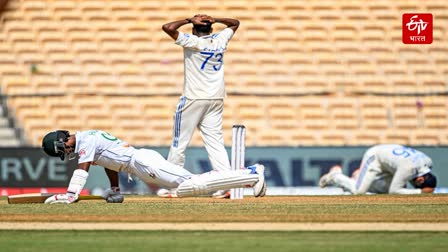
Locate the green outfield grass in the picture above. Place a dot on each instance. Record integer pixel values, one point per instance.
(373, 208)
(418, 209)
(221, 241)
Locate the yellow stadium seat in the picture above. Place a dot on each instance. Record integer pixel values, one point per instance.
(374, 114)
(433, 83)
(313, 115)
(64, 120)
(365, 137)
(107, 85)
(178, 5)
(406, 113)
(250, 110)
(11, 69)
(235, 5)
(317, 84)
(314, 34)
(373, 34)
(344, 33)
(138, 36)
(114, 46)
(344, 114)
(69, 15)
(148, 6)
(343, 84)
(425, 137)
(283, 116)
(46, 84)
(396, 137)
(17, 85)
(126, 69)
(435, 115)
(62, 5)
(270, 137)
(134, 84)
(98, 69)
(100, 122)
(51, 47)
(37, 130)
(334, 137)
(91, 5)
(7, 58)
(443, 137)
(301, 137)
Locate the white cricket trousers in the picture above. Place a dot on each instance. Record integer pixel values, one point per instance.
(370, 178)
(206, 115)
(152, 168)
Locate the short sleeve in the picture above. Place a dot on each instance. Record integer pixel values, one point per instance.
(86, 152)
(227, 33)
(187, 41)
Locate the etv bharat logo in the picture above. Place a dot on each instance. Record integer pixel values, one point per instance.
(417, 28)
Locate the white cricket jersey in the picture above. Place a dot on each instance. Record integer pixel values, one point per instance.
(104, 150)
(403, 163)
(204, 64)
(394, 156)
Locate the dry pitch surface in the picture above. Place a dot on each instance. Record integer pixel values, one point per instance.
(369, 212)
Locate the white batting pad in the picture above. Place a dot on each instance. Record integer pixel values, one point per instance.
(77, 182)
(216, 180)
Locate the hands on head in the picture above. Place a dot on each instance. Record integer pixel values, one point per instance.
(200, 18)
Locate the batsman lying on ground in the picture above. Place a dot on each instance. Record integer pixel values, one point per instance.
(96, 147)
(386, 168)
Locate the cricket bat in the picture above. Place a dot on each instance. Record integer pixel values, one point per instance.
(28, 198)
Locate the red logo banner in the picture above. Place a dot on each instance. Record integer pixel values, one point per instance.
(417, 28)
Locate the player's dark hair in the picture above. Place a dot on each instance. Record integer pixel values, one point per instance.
(203, 28)
(430, 181)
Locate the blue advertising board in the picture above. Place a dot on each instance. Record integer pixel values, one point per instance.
(286, 167)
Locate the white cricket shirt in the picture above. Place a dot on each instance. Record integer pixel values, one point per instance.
(403, 163)
(204, 64)
(103, 149)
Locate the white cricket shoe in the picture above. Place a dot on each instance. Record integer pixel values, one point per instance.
(221, 194)
(167, 193)
(327, 179)
(259, 187)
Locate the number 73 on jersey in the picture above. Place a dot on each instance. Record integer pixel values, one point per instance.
(210, 55)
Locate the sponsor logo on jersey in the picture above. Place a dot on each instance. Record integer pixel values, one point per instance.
(82, 153)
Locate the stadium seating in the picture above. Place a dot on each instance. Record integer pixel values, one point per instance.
(298, 72)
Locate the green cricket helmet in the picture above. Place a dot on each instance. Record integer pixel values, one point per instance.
(53, 143)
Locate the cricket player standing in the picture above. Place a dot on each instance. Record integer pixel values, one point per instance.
(96, 147)
(202, 102)
(386, 168)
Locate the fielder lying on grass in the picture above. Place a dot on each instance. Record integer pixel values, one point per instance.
(386, 168)
(96, 147)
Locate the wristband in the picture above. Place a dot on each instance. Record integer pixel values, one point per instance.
(188, 20)
(115, 189)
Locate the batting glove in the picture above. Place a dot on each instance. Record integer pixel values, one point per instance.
(113, 195)
(61, 199)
